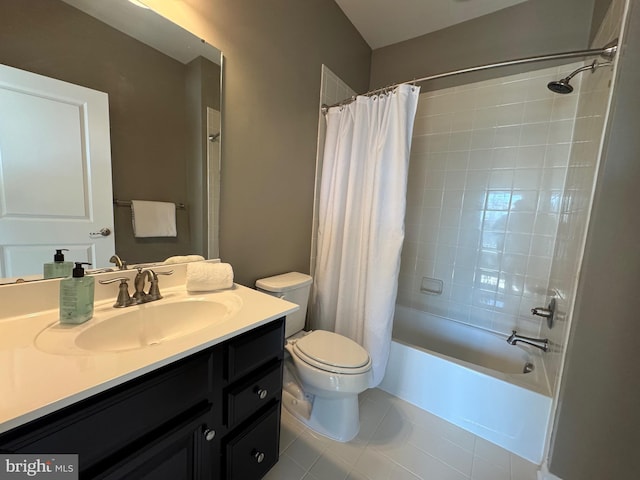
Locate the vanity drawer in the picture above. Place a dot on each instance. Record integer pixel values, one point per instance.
(258, 347)
(252, 453)
(249, 396)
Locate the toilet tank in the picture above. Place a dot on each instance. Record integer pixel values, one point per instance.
(293, 287)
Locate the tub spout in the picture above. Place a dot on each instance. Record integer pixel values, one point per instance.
(541, 343)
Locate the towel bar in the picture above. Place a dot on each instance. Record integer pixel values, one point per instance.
(127, 203)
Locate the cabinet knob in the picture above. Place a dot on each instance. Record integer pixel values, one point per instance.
(209, 434)
(262, 393)
(258, 456)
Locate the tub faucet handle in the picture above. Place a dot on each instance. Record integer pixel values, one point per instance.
(541, 312)
(547, 312)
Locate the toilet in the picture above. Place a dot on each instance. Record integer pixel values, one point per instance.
(324, 372)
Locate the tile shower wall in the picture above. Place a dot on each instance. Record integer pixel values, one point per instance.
(487, 170)
(332, 91)
(577, 198)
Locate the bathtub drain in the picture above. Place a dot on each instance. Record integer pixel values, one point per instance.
(528, 367)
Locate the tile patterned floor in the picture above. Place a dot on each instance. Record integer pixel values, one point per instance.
(397, 441)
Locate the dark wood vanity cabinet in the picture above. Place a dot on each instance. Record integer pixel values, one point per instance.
(215, 414)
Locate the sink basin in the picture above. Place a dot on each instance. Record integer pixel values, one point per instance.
(140, 326)
(152, 324)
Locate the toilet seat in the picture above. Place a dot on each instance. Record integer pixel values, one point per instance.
(332, 352)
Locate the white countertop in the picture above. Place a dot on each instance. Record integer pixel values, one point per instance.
(34, 383)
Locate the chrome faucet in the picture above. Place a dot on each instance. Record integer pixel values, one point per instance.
(115, 259)
(139, 295)
(541, 343)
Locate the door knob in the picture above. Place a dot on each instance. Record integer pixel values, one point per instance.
(104, 232)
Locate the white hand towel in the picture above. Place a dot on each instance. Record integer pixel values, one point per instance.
(184, 259)
(153, 219)
(204, 277)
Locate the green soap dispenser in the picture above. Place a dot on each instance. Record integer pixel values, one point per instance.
(76, 296)
(58, 268)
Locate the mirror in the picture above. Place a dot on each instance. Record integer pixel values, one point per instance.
(164, 108)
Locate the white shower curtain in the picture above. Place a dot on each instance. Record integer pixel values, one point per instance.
(361, 219)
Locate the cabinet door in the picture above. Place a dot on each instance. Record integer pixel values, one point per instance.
(186, 452)
(104, 426)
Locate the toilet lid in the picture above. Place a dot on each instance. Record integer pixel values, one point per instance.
(332, 352)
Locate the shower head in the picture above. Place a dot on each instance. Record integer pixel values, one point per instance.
(562, 86)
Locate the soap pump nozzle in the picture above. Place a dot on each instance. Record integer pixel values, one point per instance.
(78, 271)
(59, 256)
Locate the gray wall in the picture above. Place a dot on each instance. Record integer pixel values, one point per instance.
(272, 64)
(530, 28)
(147, 155)
(597, 433)
(600, 8)
(273, 56)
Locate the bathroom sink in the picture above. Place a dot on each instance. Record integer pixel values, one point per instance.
(152, 324)
(139, 326)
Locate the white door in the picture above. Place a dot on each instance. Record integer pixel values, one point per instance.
(55, 173)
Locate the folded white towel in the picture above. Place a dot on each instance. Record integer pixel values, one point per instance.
(153, 219)
(204, 277)
(184, 259)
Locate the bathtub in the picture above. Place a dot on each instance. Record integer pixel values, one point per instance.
(471, 378)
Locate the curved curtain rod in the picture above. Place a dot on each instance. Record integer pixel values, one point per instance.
(608, 52)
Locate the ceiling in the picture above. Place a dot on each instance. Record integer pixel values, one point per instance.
(384, 22)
